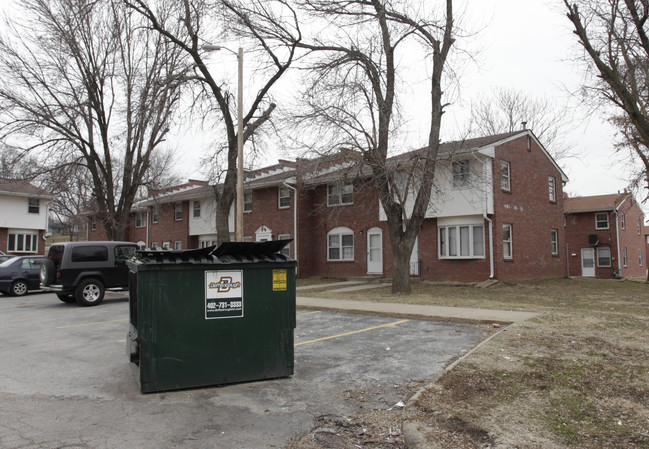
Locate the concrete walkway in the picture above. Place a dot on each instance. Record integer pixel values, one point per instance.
(424, 312)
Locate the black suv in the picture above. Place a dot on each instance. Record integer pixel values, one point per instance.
(83, 271)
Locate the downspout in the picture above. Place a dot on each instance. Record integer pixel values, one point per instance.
(146, 244)
(491, 229)
(617, 243)
(294, 220)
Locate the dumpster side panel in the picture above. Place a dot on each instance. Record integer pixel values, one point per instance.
(180, 347)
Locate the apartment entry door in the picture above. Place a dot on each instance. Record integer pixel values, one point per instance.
(375, 251)
(588, 262)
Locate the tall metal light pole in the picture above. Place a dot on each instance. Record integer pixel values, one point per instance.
(238, 220)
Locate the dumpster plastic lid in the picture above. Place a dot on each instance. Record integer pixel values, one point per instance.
(227, 252)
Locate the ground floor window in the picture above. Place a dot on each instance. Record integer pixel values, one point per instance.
(604, 257)
(26, 242)
(554, 241)
(461, 241)
(340, 244)
(178, 244)
(508, 252)
(287, 249)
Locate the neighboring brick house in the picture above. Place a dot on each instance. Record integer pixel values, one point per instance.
(23, 217)
(497, 212)
(605, 236)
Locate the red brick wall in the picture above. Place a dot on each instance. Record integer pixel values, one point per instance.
(578, 228)
(530, 212)
(266, 212)
(316, 219)
(168, 229)
(632, 238)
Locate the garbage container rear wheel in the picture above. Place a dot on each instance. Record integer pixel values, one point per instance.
(90, 292)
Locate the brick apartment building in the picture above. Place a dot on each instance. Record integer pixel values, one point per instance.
(605, 236)
(497, 213)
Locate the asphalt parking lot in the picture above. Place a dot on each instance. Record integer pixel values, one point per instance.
(65, 379)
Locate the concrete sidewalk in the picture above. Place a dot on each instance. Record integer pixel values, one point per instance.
(434, 313)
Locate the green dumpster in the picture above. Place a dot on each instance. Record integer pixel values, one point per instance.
(212, 316)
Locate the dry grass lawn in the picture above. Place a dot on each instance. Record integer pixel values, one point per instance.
(576, 377)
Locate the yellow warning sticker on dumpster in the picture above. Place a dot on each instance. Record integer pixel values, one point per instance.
(279, 280)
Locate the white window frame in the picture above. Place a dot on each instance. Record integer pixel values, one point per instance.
(196, 209)
(597, 226)
(283, 197)
(552, 189)
(154, 245)
(444, 249)
(33, 206)
(639, 226)
(623, 221)
(554, 239)
(508, 243)
(624, 257)
(247, 202)
(166, 245)
(178, 245)
(339, 233)
(603, 249)
(155, 214)
(20, 240)
(640, 257)
(140, 219)
(93, 224)
(340, 194)
(461, 171)
(287, 249)
(505, 176)
(178, 211)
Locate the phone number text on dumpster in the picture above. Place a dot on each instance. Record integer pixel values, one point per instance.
(224, 309)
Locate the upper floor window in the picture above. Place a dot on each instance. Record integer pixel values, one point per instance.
(154, 214)
(505, 176)
(623, 221)
(283, 197)
(554, 241)
(463, 241)
(178, 211)
(552, 189)
(461, 173)
(247, 202)
(338, 195)
(93, 224)
(140, 219)
(340, 244)
(508, 250)
(601, 221)
(33, 206)
(197, 209)
(639, 226)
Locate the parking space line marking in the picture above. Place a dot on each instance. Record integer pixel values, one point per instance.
(92, 324)
(308, 313)
(351, 333)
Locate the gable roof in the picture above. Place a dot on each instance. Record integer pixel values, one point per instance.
(18, 187)
(596, 203)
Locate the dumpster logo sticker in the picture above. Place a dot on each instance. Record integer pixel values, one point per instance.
(223, 294)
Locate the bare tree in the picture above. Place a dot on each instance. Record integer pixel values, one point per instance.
(353, 98)
(506, 110)
(613, 34)
(86, 81)
(273, 31)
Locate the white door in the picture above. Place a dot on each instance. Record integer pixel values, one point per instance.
(375, 251)
(588, 262)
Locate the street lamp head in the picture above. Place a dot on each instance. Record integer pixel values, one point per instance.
(211, 47)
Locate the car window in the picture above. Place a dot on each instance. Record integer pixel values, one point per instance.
(8, 262)
(26, 265)
(89, 254)
(56, 254)
(124, 252)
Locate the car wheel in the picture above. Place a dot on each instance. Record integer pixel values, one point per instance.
(66, 298)
(48, 271)
(90, 292)
(19, 288)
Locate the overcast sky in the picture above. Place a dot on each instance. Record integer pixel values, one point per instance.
(526, 45)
